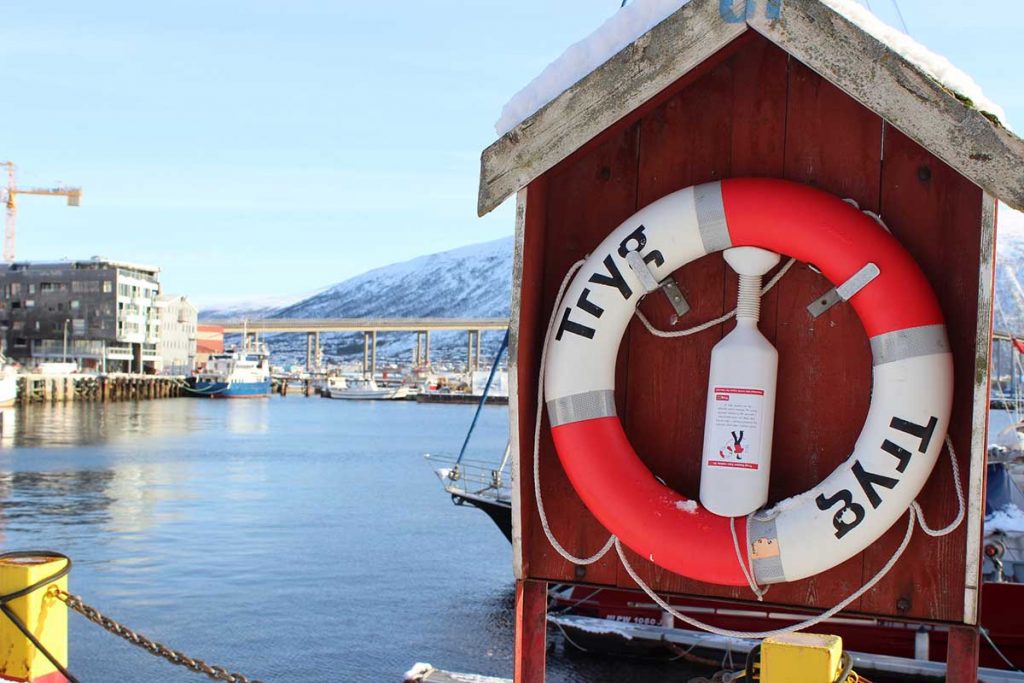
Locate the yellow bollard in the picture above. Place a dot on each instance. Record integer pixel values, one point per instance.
(801, 658)
(44, 616)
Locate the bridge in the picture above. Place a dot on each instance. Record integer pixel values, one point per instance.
(313, 327)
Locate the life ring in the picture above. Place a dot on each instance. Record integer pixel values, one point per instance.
(911, 400)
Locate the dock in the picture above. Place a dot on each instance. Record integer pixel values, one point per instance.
(38, 388)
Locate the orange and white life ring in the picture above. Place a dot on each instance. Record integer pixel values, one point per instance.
(903, 434)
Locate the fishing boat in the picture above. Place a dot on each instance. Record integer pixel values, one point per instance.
(238, 373)
(362, 389)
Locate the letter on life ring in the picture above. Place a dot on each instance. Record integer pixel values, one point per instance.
(911, 398)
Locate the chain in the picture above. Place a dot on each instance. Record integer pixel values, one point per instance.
(217, 673)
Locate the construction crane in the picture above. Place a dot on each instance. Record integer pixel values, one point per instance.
(11, 191)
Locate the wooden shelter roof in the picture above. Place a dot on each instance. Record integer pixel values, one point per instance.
(971, 142)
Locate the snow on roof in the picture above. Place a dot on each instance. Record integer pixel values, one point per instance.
(618, 31)
(935, 65)
(640, 16)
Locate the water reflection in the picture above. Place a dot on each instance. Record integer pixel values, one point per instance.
(93, 423)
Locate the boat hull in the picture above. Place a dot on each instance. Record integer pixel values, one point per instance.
(228, 389)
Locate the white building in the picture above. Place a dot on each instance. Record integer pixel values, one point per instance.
(177, 343)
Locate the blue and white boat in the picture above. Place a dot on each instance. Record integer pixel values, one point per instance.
(233, 374)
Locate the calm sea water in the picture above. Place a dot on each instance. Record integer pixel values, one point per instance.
(289, 539)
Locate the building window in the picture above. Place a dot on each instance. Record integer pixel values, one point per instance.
(108, 286)
(74, 304)
(30, 303)
(31, 288)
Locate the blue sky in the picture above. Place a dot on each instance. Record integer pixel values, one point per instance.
(269, 147)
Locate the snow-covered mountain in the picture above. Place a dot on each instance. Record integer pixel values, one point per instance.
(475, 282)
(469, 282)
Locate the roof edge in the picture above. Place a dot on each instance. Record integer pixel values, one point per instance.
(840, 51)
(618, 87)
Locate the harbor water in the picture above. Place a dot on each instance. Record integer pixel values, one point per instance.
(288, 539)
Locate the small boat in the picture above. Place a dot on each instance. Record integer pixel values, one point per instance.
(362, 389)
(8, 384)
(241, 373)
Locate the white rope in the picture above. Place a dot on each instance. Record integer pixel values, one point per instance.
(961, 503)
(757, 590)
(843, 604)
(914, 510)
(664, 334)
(536, 438)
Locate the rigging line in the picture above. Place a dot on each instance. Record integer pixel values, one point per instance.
(483, 395)
(896, 4)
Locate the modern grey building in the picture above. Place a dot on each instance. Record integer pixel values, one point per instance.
(99, 313)
(177, 344)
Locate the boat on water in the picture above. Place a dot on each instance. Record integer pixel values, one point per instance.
(362, 389)
(238, 373)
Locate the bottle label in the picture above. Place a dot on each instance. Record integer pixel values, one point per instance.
(736, 427)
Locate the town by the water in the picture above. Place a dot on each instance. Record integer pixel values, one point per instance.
(704, 363)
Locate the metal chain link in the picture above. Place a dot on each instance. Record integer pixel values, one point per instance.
(217, 673)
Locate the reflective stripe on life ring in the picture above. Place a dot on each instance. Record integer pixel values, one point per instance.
(912, 391)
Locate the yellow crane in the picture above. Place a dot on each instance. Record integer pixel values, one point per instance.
(11, 191)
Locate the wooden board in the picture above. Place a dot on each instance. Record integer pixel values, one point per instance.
(751, 111)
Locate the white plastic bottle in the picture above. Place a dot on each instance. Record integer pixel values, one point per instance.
(741, 400)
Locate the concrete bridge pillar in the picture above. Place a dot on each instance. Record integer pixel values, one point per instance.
(309, 351)
(366, 353)
(317, 354)
(373, 353)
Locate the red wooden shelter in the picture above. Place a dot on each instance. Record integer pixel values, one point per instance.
(806, 95)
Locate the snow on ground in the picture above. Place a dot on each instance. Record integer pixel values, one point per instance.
(1010, 519)
(640, 16)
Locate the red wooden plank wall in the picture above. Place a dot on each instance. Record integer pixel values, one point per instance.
(752, 111)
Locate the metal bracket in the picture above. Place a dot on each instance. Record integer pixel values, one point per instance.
(675, 297)
(650, 283)
(845, 291)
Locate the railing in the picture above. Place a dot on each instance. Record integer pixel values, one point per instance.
(473, 478)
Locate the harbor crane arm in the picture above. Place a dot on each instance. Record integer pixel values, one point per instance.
(73, 194)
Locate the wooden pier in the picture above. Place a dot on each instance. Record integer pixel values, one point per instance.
(35, 388)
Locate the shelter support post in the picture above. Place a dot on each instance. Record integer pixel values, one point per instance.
(531, 631)
(962, 654)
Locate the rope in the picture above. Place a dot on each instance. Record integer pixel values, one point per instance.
(747, 574)
(807, 623)
(536, 438)
(961, 502)
(914, 511)
(664, 334)
(483, 396)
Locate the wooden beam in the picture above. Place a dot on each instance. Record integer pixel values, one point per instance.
(531, 631)
(633, 76)
(962, 654)
(876, 76)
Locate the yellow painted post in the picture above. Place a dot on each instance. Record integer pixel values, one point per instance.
(801, 658)
(45, 616)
